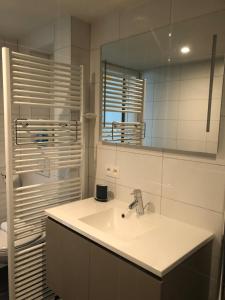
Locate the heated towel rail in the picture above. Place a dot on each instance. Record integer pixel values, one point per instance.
(34, 146)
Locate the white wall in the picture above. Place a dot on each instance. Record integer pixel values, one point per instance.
(12, 45)
(185, 187)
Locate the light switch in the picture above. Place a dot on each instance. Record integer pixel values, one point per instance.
(108, 171)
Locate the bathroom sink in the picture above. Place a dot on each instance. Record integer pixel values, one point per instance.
(113, 222)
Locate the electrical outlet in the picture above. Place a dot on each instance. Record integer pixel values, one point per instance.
(108, 171)
(112, 171)
(115, 172)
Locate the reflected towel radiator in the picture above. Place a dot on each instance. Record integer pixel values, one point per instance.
(123, 99)
(34, 146)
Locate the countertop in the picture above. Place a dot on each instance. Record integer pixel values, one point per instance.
(164, 244)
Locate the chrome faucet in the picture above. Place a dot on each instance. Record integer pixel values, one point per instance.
(138, 202)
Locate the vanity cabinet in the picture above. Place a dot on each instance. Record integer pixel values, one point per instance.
(79, 269)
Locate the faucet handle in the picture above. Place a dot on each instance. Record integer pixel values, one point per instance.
(149, 207)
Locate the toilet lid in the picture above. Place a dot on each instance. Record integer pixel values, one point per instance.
(19, 243)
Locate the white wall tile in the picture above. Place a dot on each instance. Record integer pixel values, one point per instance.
(196, 216)
(140, 171)
(165, 91)
(164, 143)
(193, 89)
(164, 129)
(191, 130)
(194, 183)
(165, 109)
(105, 157)
(193, 110)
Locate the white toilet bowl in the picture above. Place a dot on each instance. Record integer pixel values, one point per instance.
(22, 243)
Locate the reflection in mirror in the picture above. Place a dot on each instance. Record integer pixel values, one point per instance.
(163, 88)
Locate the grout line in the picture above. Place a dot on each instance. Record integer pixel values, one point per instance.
(127, 186)
(193, 205)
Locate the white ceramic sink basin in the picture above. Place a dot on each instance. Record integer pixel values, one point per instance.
(110, 221)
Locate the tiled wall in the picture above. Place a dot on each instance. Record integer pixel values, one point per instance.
(12, 45)
(176, 103)
(185, 187)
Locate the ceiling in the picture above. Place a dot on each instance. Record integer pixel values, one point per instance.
(20, 17)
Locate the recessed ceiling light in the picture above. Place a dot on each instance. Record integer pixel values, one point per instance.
(170, 34)
(185, 50)
(169, 59)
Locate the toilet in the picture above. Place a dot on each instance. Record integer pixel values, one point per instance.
(21, 244)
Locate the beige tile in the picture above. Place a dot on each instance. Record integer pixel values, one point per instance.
(105, 30)
(195, 216)
(144, 17)
(140, 171)
(194, 183)
(183, 9)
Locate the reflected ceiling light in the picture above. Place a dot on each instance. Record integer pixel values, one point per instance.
(170, 34)
(169, 59)
(185, 50)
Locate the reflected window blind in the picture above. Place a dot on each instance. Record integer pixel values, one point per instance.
(122, 105)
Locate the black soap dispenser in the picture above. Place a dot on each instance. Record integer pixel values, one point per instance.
(101, 193)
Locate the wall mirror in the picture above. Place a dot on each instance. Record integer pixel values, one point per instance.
(163, 88)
